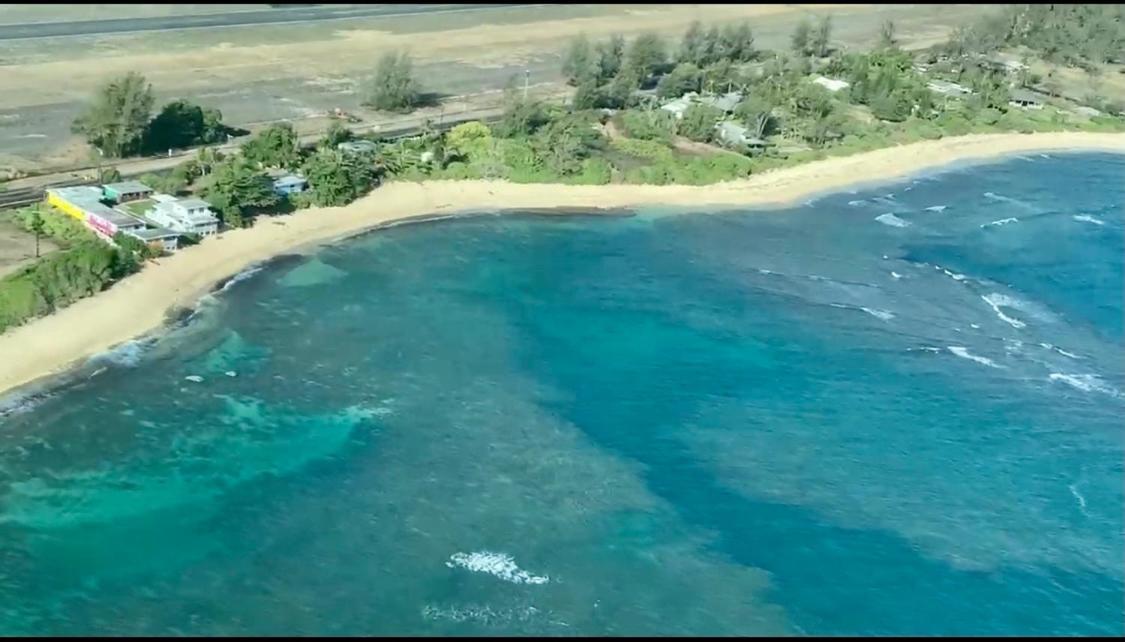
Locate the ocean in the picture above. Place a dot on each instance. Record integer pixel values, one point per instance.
(892, 410)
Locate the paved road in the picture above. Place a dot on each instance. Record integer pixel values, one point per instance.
(233, 19)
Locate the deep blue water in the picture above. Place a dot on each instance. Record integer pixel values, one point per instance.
(893, 411)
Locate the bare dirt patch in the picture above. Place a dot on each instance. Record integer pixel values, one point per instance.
(17, 247)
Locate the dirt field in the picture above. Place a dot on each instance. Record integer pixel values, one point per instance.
(17, 247)
(297, 71)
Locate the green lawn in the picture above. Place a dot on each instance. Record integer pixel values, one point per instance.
(139, 208)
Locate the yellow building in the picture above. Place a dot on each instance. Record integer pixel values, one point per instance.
(75, 201)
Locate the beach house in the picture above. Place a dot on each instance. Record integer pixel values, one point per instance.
(126, 191)
(1025, 99)
(735, 135)
(186, 215)
(357, 147)
(84, 203)
(290, 184)
(831, 84)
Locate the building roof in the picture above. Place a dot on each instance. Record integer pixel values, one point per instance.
(731, 130)
(948, 88)
(831, 84)
(163, 198)
(154, 233)
(193, 203)
(127, 187)
(1023, 95)
(726, 102)
(189, 209)
(79, 194)
(680, 104)
(358, 146)
(290, 179)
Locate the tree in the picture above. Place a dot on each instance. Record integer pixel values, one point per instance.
(737, 43)
(394, 88)
(336, 178)
(182, 123)
(521, 117)
(757, 114)
(238, 190)
(800, 40)
(135, 247)
(587, 95)
(691, 46)
(468, 137)
(699, 122)
(611, 53)
(712, 47)
(645, 55)
(115, 122)
(337, 133)
(887, 35)
(686, 77)
(274, 146)
(578, 61)
(37, 227)
(822, 36)
(565, 143)
(620, 91)
(892, 106)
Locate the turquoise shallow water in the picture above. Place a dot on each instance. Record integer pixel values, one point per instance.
(893, 411)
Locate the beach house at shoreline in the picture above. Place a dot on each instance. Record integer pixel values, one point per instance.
(84, 202)
(184, 215)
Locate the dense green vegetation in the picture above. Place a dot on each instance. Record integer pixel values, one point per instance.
(118, 122)
(1075, 34)
(84, 266)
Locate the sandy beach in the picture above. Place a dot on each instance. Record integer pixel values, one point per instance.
(138, 304)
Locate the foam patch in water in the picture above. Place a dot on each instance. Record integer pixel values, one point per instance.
(499, 565)
(1085, 383)
(1086, 218)
(998, 223)
(892, 220)
(964, 353)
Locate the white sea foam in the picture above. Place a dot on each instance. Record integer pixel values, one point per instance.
(1085, 383)
(1067, 354)
(482, 614)
(996, 301)
(998, 223)
(500, 565)
(241, 276)
(964, 353)
(880, 314)
(936, 208)
(974, 326)
(856, 202)
(1086, 218)
(1044, 156)
(194, 378)
(953, 275)
(896, 275)
(1081, 500)
(127, 354)
(892, 220)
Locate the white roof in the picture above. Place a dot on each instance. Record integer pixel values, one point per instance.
(831, 84)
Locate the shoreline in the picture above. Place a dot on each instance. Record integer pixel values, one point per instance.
(140, 304)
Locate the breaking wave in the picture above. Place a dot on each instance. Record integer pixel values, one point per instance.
(964, 353)
(499, 565)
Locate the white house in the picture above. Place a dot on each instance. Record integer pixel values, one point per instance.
(831, 84)
(678, 106)
(946, 88)
(187, 216)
